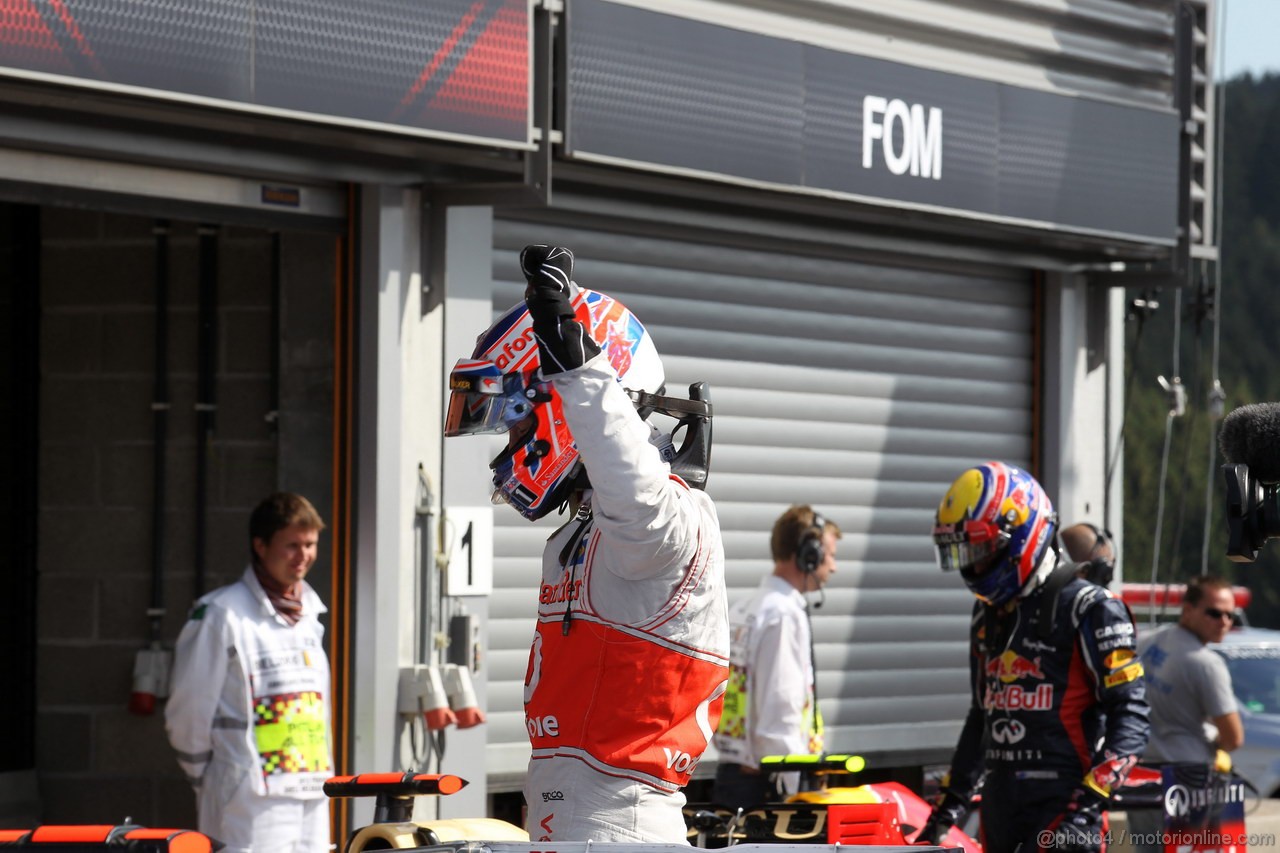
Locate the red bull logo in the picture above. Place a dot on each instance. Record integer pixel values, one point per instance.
(1016, 507)
(1016, 698)
(1011, 666)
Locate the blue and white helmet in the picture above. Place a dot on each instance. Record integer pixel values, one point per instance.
(994, 526)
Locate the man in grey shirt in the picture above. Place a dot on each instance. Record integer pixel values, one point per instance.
(1188, 685)
(1193, 710)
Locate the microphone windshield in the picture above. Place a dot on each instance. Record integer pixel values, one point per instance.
(1251, 434)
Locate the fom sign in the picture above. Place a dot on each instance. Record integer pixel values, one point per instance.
(910, 137)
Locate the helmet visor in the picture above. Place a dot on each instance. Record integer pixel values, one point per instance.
(483, 400)
(965, 545)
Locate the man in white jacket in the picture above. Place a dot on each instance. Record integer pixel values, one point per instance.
(770, 706)
(630, 654)
(249, 707)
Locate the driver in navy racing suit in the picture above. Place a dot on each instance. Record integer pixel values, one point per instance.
(1053, 674)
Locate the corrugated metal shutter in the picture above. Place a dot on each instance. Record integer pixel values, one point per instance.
(862, 388)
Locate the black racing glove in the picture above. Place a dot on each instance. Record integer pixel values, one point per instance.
(562, 342)
(946, 814)
(1080, 829)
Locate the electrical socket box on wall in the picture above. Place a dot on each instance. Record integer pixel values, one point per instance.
(421, 691)
(464, 641)
(409, 693)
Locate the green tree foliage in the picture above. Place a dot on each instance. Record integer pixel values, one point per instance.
(1249, 351)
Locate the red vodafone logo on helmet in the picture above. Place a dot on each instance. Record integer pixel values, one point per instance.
(512, 351)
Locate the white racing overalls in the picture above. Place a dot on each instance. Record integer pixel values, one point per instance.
(628, 667)
(248, 715)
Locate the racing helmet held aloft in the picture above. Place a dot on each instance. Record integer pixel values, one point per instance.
(500, 389)
(994, 526)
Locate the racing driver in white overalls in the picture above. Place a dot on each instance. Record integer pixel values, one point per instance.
(630, 658)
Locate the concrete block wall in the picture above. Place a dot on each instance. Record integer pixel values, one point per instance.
(96, 762)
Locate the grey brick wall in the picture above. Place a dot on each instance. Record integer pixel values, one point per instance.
(96, 762)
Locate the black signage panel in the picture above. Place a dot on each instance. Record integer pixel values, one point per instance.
(671, 93)
(685, 94)
(455, 67)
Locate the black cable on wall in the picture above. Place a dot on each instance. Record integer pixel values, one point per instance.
(206, 388)
(160, 426)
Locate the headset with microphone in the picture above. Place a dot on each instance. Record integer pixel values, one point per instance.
(1099, 570)
(810, 551)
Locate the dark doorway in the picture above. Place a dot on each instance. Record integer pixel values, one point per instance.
(19, 411)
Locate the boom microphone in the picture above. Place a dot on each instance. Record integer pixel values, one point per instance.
(1250, 441)
(1251, 435)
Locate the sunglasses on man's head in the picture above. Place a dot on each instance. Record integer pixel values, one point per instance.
(1215, 613)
